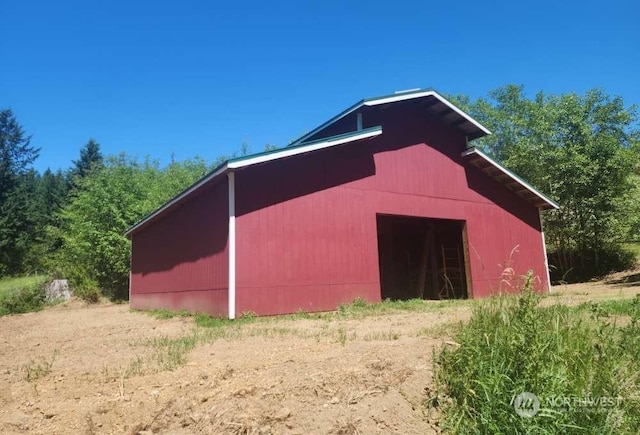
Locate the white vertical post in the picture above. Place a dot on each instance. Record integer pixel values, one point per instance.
(544, 250)
(359, 121)
(130, 265)
(232, 246)
(546, 263)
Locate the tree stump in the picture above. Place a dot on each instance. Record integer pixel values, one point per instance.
(58, 290)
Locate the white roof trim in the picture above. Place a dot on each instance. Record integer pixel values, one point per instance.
(460, 112)
(221, 170)
(402, 97)
(409, 95)
(243, 162)
(511, 175)
(303, 149)
(398, 97)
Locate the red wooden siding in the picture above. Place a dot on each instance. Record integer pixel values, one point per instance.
(181, 260)
(306, 226)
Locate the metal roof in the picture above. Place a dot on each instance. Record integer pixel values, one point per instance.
(435, 104)
(509, 179)
(237, 163)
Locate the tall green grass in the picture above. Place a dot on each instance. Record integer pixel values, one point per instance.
(562, 355)
(21, 295)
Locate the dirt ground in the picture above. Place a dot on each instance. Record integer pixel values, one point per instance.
(77, 368)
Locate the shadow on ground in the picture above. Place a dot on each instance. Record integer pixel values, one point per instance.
(632, 280)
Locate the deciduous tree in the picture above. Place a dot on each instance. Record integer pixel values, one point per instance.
(580, 150)
(95, 251)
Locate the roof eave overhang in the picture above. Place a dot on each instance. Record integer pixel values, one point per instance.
(239, 163)
(509, 179)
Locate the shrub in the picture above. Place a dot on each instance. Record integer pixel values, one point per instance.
(87, 292)
(511, 346)
(22, 295)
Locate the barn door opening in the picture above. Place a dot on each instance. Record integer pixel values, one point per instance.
(421, 258)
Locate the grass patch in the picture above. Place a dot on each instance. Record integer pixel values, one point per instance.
(446, 329)
(357, 309)
(382, 336)
(169, 353)
(135, 367)
(627, 307)
(168, 314)
(613, 307)
(11, 285)
(22, 294)
(582, 368)
(342, 335)
(274, 332)
(360, 308)
(207, 321)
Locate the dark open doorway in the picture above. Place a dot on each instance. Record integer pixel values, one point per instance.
(422, 258)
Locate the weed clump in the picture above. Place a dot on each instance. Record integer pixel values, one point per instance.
(39, 369)
(580, 367)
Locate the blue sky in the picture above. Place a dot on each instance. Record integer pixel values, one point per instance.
(200, 77)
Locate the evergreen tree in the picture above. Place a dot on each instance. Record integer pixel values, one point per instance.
(16, 185)
(49, 194)
(90, 158)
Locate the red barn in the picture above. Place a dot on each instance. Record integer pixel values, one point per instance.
(388, 199)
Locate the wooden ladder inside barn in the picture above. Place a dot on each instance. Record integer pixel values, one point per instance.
(451, 273)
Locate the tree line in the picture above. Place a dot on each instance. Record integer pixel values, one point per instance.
(70, 223)
(581, 150)
(584, 152)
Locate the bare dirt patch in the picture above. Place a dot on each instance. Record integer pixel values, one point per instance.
(78, 368)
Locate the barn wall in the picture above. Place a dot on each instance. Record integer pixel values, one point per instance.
(306, 226)
(181, 261)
